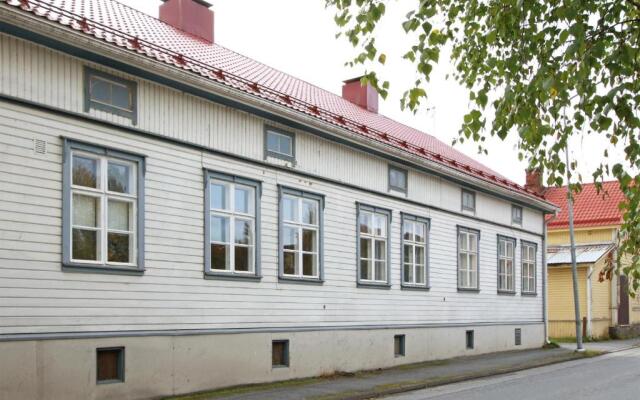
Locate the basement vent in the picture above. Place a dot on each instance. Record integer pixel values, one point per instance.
(280, 353)
(39, 146)
(518, 336)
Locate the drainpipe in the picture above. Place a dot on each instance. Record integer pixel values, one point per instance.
(614, 284)
(545, 312)
(589, 299)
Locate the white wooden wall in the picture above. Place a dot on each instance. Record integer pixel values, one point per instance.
(36, 296)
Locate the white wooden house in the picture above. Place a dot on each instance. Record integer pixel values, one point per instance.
(176, 217)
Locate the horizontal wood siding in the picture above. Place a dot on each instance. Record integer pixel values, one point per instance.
(38, 74)
(36, 296)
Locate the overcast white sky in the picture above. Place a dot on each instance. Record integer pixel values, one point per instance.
(298, 37)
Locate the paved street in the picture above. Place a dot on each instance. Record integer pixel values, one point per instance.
(612, 376)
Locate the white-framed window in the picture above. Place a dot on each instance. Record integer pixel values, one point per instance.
(506, 264)
(398, 179)
(415, 233)
(373, 245)
(468, 200)
(102, 220)
(232, 224)
(528, 272)
(279, 144)
(300, 234)
(516, 214)
(468, 242)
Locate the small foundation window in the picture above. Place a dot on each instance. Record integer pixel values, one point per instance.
(280, 353)
(110, 365)
(469, 339)
(518, 336)
(398, 345)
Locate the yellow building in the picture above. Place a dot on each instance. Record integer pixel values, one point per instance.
(604, 299)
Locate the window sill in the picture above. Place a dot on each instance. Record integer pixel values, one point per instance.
(529, 294)
(405, 286)
(506, 293)
(470, 290)
(109, 381)
(294, 280)
(372, 285)
(231, 276)
(102, 269)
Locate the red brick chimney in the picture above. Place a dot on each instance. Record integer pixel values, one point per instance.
(534, 181)
(191, 16)
(363, 96)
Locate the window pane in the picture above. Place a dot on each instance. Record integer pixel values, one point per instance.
(408, 254)
(118, 247)
(100, 90)
(473, 242)
(365, 248)
(310, 212)
(420, 275)
(366, 223)
(218, 196)
(244, 200)
(397, 178)
(381, 271)
(120, 96)
(219, 256)
(380, 225)
(420, 232)
(243, 231)
(290, 238)
(408, 273)
(407, 230)
(85, 210)
(119, 212)
(85, 172)
(85, 245)
(290, 261)
(464, 262)
(290, 209)
(309, 240)
(420, 256)
(219, 229)
(273, 144)
(473, 262)
(309, 265)
(118, 177)
(365, 266)
(510, 249)
(243, 258)
(285, 145)
(381, 250)
(463, 241)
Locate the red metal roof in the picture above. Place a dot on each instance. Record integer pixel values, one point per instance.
(126, 27)
(590, 207)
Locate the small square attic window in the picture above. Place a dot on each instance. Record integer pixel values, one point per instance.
(397, 179)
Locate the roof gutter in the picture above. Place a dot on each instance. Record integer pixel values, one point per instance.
(55, 31)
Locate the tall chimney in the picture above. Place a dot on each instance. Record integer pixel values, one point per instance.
(534, 181)
(363, 96)
(191, 16)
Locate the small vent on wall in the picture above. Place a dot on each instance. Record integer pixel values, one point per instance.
(39, 146)
(518, 336)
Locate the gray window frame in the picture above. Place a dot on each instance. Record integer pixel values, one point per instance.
(524, 243)
(427, 277)
(121, 361)
(365, 284)
(459, 229)
(515, 247)
(257, 186)
(514, 220)
(282, 190)
(74, 266)
(269, 153)
(395, 188)
(90, 104)
(473, 194)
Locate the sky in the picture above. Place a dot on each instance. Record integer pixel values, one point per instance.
(298, 37)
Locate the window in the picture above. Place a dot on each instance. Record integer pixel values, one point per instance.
(516, 215)
(108, 93)
(528, 267)
(373, 228)
(110, 365)
(232, 225)
(280, 353)
(398, 345)
(468, 200)
(397, 179)
(506, 264)
(518, 338)
(300, 234)
(279, 144)
(415, 233)
(103, 208)
(469, 339)
(468, 241)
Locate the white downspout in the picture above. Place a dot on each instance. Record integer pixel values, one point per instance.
(589, 299)
(614, 284)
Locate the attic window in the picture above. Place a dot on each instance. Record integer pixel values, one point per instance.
(279, 144)
(397, 179)
(109, 93)
(516, 215)
(468, 200)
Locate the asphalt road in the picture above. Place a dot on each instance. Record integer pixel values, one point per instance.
(614, 376)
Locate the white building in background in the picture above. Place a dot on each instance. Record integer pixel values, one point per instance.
(176, 217)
